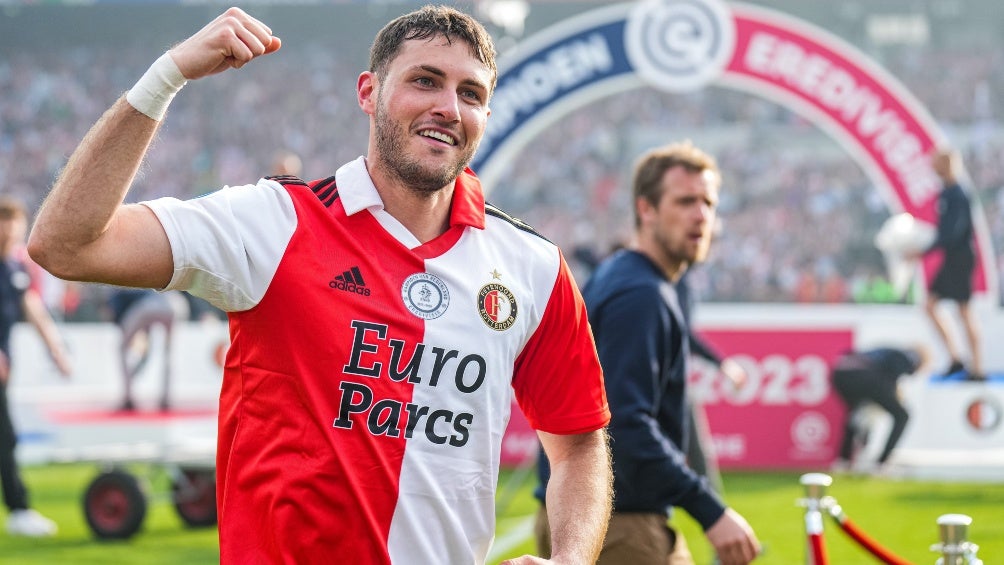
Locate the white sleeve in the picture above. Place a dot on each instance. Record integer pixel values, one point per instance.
(227, 245)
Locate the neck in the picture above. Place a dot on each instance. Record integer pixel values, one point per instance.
(670, 268)
(673, 273)
(425, 214)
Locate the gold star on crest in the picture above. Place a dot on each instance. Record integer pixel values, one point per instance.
(496, 274)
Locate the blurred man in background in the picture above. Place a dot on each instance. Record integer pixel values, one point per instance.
(136, 311)
(286, 162)
(642, 339)
(954, 279)
(873, 376)
(20, 300)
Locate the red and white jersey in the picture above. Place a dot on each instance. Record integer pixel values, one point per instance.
(369, 379)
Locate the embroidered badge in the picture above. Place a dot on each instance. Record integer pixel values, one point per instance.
(425, 295)
(497, 306)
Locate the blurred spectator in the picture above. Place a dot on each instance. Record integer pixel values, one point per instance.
(20, 299)
(136, 311)
(286, 162)
(953, 280)
(872, 377)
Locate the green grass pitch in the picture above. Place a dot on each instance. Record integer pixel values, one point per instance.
(900, 514)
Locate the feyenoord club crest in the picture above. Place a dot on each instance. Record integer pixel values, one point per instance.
(497, 306)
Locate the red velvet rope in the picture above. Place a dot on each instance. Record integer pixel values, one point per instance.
(868, 543)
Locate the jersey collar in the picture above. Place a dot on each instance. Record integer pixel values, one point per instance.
(468, 202)
(355, 187)
(357, 192)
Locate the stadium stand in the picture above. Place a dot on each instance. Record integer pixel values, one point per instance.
(801, 214)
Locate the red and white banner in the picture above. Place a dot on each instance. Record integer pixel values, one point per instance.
(856, 101)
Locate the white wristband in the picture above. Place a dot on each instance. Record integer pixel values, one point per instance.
(153, 93)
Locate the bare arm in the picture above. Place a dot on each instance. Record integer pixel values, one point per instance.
(36, 313)
(579, 496)
(83, 230)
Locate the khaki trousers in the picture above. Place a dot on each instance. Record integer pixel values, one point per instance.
(633, 538)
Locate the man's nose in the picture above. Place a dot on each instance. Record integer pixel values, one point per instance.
(448, 106)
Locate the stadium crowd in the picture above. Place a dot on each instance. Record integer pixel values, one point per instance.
(801, 214)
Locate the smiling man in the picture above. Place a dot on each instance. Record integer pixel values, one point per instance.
(381, 318)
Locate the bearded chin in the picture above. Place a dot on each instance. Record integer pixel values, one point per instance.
(419, 177)
(413, 173)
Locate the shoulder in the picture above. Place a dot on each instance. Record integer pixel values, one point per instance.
(955, 192)
(506, 221)
(325, 189)
(520, 239)
(629, 270)
(229, 203)
(626, 276)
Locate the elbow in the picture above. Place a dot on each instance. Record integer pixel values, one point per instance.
(37, 249)
(48, 255)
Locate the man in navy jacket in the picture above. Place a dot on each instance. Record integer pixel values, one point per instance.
(641, 337)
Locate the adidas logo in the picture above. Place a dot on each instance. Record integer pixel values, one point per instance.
(350, 281)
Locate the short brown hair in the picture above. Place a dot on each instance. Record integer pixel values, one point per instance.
(11, 208)
(652, 166)
(426, 23)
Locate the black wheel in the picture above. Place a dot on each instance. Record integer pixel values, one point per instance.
(195, 497)
(115, 505)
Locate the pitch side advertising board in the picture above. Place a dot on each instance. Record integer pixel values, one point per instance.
(785, 416)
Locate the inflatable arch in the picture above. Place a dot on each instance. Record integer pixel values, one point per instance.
(684, 45)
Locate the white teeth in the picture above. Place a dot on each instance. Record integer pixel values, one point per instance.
(437, 135)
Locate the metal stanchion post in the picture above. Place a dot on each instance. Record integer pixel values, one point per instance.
(955, 547)
(815, 502)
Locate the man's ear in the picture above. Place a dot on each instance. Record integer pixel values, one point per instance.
(645, 210)
(366, 92)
